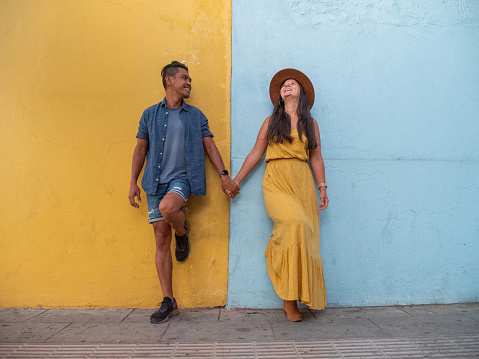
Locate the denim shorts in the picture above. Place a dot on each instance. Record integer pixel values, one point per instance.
(179, 186)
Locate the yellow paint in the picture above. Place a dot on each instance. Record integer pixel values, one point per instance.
(75, 77)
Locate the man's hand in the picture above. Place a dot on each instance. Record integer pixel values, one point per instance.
(134, 192)
(229, 186)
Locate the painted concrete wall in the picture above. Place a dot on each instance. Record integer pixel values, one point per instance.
(75, 77)
(397, 101)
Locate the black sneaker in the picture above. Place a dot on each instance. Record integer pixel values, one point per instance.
(183, 247)
(168, 308)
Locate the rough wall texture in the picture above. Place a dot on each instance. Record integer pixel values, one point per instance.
(75, 77)
(397, 101)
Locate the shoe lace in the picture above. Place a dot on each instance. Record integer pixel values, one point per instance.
(164, 307)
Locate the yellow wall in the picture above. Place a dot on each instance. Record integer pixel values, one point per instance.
(75, 77)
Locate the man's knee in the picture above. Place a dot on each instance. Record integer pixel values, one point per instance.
(170, 206)
(162, 232)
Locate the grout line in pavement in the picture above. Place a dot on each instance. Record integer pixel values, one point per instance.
(131, 311)
(164, 332)
(402, 310)
(336, 348)
(272, 330)
(44, 311)
(51, 336)
(381, 329)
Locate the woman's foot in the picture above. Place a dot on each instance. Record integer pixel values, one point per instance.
(290, 308)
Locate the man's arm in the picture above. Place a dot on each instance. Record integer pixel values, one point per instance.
(227, 184)
(138, 161)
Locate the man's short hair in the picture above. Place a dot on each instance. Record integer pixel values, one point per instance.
(171, 70)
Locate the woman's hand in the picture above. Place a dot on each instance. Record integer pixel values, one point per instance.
(323, 196)
(229, 186)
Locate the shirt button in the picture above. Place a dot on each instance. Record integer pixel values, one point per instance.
(167, 113)
(157, 179)
(161, 153)
(165, 125)
(159, 166)
(163, 139)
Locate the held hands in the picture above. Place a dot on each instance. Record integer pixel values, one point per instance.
(229, 186)
(323, 196)
(134, 192)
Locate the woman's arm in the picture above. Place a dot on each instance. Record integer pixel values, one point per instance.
(255, 155)
(317, 165)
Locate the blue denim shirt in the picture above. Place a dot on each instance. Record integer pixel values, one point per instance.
(153, 127)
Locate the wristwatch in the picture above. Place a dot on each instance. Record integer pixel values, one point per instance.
(224, 172)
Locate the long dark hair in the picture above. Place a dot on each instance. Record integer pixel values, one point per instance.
(279, 127)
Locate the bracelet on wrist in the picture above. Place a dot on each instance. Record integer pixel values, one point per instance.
(322, 185)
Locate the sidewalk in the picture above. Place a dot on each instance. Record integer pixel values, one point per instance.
(423, 331)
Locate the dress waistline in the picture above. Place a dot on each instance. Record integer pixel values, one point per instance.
(285, 159)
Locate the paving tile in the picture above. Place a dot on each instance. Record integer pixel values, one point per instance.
(473, 316)
(441, 348)
(33, 351)
(235, 350)
(469, 342)
(107, 351)
(200, 314)
(201, 350)
(441, 309)
(427, 326)
(6, 349)
(398, 348)
(458, 323)
(317, 349)
(28, 332)
(320, 329)
(82, 316)
(139, 316)
(357, 349)
(360, 312)
(154, 351)
(73, 351)
(251, 315)
(181, 329)
(18, 315)
(110, 333)
(189, 317)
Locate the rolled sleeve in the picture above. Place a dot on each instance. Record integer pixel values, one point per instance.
(205, 130)
(143, 128)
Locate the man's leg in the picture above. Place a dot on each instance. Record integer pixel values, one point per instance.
(163, 260)
(170, 208)
(164, 263)
(164, 267)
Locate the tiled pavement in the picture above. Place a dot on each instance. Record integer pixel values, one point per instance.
(423, 331)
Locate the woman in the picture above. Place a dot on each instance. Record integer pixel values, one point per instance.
(291, 137)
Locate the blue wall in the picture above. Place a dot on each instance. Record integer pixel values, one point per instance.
(397, 101)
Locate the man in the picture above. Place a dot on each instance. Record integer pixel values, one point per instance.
(172, 136)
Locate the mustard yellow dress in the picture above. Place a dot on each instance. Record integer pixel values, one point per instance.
(293, 258)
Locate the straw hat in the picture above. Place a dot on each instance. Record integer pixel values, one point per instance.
(285, 74)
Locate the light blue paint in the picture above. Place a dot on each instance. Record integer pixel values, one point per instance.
(397, 101)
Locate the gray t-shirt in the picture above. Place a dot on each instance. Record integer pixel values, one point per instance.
(173, 163)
